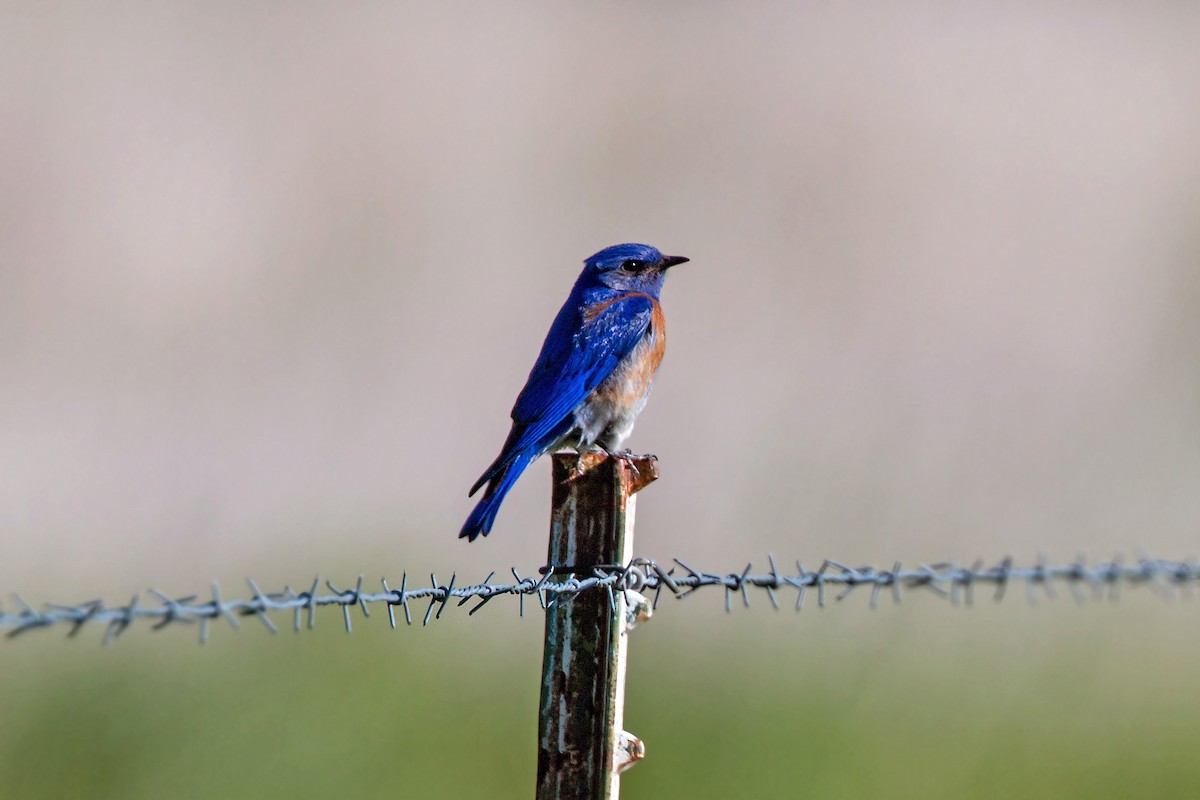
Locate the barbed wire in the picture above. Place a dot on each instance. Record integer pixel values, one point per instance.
(641, 576)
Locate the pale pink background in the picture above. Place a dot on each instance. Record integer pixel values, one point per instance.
(271, 276)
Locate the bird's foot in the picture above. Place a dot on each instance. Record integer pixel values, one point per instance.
(581, 455)
(627, 456)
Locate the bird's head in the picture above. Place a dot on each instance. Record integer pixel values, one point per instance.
(630, 267)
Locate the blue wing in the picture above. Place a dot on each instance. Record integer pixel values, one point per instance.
(578, 354)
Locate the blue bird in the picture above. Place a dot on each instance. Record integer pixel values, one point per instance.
(594, 373)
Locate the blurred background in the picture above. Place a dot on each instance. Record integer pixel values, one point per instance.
(271, 276)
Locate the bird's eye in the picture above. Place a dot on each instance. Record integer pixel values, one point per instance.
(632, 265)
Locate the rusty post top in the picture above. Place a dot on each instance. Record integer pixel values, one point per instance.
(637, 472)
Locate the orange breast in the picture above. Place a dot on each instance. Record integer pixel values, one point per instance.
(626, 388)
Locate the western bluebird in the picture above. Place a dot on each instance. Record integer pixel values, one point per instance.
(593, 376)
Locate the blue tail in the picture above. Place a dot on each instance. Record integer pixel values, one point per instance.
(481, 519)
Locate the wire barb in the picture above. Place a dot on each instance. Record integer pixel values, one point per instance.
(948, 580)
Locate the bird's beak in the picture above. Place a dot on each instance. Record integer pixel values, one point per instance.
(670, 261)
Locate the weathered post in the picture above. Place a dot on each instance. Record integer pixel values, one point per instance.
(581, 746)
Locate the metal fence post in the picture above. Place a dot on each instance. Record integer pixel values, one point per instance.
(581, 746)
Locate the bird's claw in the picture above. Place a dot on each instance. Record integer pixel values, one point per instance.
(627, 457)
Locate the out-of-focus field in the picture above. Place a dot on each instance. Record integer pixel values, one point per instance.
(272, 274)
(922, 700)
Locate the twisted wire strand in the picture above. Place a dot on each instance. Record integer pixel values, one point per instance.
(950, 580)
